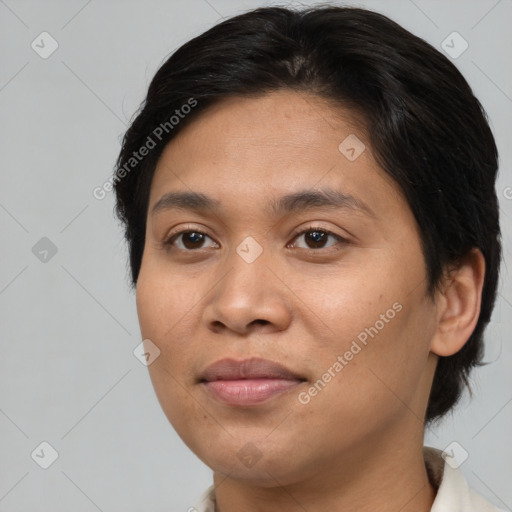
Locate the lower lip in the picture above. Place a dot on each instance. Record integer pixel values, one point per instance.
(248, 391)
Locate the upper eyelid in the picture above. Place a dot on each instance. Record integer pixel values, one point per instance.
(186, 229)
(299, 231)
(318, 228)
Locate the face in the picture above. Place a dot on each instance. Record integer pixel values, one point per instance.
(330, 286)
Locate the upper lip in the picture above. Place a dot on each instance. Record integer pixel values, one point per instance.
(254, 368)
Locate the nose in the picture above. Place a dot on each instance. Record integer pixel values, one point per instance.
(248, 297)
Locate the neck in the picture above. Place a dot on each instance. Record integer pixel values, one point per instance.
(387, 475)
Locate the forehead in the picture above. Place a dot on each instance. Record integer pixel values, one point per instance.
(250, 149)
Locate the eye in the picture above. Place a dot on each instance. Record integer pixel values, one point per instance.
(189, 240)
(316, 238)
(193, 240)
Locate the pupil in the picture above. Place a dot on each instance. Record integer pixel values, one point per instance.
(317, 236)
(196, 237)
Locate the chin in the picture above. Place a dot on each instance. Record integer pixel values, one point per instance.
(264, 465)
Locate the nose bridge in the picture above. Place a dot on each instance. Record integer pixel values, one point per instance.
(248, 291)
(250, 250)
(248, 268)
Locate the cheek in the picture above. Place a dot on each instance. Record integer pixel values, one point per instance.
(162, 307)
(377, 334)
(165, 313)
(164, 299)
(350, 300)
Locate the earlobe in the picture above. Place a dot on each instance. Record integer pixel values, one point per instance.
(458, 304)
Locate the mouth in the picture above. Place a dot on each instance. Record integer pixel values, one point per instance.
(247, 382)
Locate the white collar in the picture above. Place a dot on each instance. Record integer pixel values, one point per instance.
(453, 493)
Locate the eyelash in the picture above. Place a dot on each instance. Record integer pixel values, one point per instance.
(169, 242)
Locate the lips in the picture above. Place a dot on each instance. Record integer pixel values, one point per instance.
(247, 382)
(255, 368)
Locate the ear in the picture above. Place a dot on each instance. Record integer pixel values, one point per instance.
(458, 304)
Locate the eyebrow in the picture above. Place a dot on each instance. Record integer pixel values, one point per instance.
(290, 203)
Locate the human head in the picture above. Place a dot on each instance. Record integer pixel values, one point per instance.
(425, 128)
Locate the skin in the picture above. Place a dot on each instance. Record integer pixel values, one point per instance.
(357, 444)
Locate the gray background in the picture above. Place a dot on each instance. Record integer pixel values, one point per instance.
(69, 325)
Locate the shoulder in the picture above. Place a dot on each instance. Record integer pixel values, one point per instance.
(453, 492)
(206, 502)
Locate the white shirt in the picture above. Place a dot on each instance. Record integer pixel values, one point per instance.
(453, 493)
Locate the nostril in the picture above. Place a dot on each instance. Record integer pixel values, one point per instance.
(261, 322)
